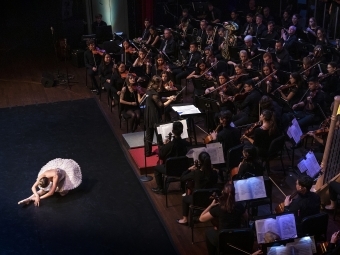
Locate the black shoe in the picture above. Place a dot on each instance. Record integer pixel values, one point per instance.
(158, 190)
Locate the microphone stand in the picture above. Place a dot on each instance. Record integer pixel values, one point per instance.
(67, 76)
(56, 53)
(146, 177)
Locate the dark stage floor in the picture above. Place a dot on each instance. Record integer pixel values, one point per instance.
(109, 213)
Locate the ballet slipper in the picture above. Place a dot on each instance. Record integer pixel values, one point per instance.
(329, 207)
(25, 201)
(63, 193)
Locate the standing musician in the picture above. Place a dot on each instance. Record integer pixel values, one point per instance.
(105, 70)
(160, 66)
(213, 15)
(305, 202)
(282, 56)
(249, 107)
(168, 46)
(330, 82)
(263, 133)
(244, 60)
(116, 83)
(174, 148)
(92, 59)
(292, 91)
(129, 101)
(307, 111)
(192, 59)
(128, 53)
(153, 111)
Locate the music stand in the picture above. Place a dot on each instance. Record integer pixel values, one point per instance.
(209, 105)
(200, 85)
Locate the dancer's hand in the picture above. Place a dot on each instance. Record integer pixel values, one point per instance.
(36, 201)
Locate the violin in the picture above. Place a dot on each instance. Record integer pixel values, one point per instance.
(280, 208)
(209, 138)
(160, 142)
(250, 130)
(124, 74)
(285, 87)
(96, 50)
(190, 184)
(240, 96)
(320, 132)
(131, 50)
(169, 86)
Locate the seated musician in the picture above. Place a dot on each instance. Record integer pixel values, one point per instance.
(321, 38)
(142, 66)
(330, 82)
(92, 59)
(234, 17)
(307, 111)
(154, 39)
(160, 66)
(239, 77)
(211, 38)
(286, 19)
(304, 203)
(228, 136)
(248, 108)
(229, 213)
(307, 71)
(128, 53)
(267, 103)
(289, 39)
(311, 30)
(250, 47)
(244, 60)
(98, 23)
(210, 59)
(260, 27)
(116, 83)
(167, 83)
(201, 38)
(270, 33)
(168, 46)
(268, 59)
(282, 56)
(267, 17)
(248, 28)
(250, 165)
(146, 31)
(192, 58)
(295, 23)
(199, 73)
(213, 14)
(174, 148)
(333, 247)
(204, 177)
(264, 134)
(105, 70)
(268, 80)
(129, 101)
(292, 92)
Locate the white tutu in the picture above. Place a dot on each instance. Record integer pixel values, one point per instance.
(72, 172)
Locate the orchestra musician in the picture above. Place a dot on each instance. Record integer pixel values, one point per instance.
(282, 56)
(269, 82)
(186, 15)
(167, 83)
(305, 202)
(289, 39)
(311, 30)
(98, 23)
(213, 14)
(92, 59)
(248, 108)
(168, 46)
(321, 38)
(267, 17)
(268, 59)
(129, 101)
(153, 111)
(264, 134)
(250, 47)
(201, 37)
(142, 65)
(248, 28)
(330, 82)
(307, 111)
(174, 148)
(260, 27)
(267, 103)
(244, 60)
(204, 176)
(146, 31)
(234, 17)
(199, 74)
(307, 71)
(128, 53)
(296, 24)
(286, 20)
(239, 77)
(230, 214)
(292, 92)
(192, 59)
(105, 71)
(185, 31)
(211, 37)
(270, 33)
(116, 83)
(154, 39)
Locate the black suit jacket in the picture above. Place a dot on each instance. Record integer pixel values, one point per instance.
(259, 30)
(170, 49)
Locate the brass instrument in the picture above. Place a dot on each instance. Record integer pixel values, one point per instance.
(211, 38)
(194, 32)
(258, 10)
(230, 39)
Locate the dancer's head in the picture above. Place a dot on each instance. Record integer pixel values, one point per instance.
(43, 182)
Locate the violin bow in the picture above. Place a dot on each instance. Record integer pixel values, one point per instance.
(277, 186)
(232, 246)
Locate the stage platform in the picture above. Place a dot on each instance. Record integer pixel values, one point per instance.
(136, 139)
(137, 155)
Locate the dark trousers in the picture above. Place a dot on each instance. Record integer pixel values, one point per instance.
(133, 116)
(186, 202)
(158, 172)
(148, 140)
(211, 239)
(241, 119)
(305, 119)
(334, 190)
(92, 75)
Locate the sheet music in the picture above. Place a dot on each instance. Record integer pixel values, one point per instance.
(304, 245)
(215, 151)
(186, 109)
(242, 191)
(278, 250)
(287, 226)
(294, 131)
(165, 129)
(257, 187)
(302, 166)
(312, 164)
